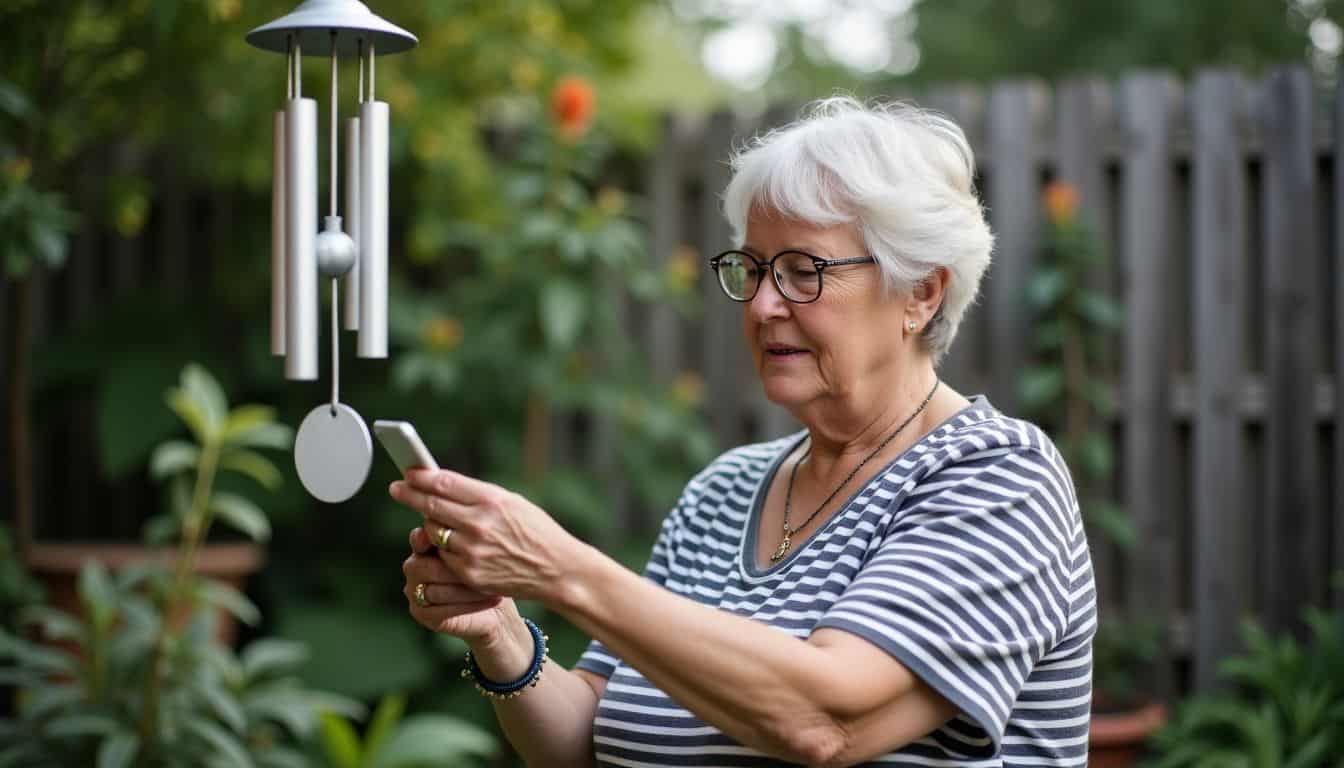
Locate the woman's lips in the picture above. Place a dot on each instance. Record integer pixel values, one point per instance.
(782, 352)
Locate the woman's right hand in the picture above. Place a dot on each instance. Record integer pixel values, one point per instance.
(452, 607)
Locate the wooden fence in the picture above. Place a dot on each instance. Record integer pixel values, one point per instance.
(1218, 199)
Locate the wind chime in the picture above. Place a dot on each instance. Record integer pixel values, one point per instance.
(332, 450)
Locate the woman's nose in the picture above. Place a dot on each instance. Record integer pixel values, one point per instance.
(768, 301)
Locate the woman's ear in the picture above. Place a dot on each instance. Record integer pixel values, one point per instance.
(928, 293)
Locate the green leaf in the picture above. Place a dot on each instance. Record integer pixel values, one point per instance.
(191, 414)
(1101, 311)
(1040, 386)
(254, 465)
(1097, 454)
(242, 514)
(246, 418)
(173, 457)
(219, 594)
(38, 703)
(272, 655)
(56, 624)
(223, 704)
(298, 710)
(276, 436)
(1045, 287)
(340, 743)
(118, 750)
(97, 593)
(385, 719)
(573, 246)
(204, 391)
(433, 739)
(402, 662)
(220, 740)
(564, 309)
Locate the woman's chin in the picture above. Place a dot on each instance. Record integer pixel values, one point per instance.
(786, 391)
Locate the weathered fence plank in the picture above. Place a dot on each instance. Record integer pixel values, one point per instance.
(1014, 214)
(961, 367)
(1337, 555)
(720, 340)
(664, 192)
(1221, 509)
(1146, 258)
(1079, 164)
(1291, 525)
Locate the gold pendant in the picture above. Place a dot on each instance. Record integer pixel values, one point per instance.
(783, 547)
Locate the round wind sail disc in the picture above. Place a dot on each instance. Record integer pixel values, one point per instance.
(333, 452)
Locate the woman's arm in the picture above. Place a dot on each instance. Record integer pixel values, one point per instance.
(829, 701)
(835, 699)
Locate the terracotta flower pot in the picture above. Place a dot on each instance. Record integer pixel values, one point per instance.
(1117, 738)
(57, 567)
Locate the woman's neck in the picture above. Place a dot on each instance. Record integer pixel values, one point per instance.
(843, 432)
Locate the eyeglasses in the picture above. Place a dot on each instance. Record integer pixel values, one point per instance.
(797, 274)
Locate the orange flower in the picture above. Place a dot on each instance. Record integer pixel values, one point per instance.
(573, 103)
(1061, 201)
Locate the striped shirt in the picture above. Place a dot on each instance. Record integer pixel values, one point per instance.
(964, 558)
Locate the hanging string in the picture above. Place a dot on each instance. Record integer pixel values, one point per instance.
(333, 122)
(335, 350)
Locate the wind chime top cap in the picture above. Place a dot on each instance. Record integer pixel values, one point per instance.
(313, 21)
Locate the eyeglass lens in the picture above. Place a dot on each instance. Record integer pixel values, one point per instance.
(796, 276)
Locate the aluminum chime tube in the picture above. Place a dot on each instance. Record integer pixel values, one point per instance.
(300, 232)
(279, 261)
(353, 203)
(373, 158)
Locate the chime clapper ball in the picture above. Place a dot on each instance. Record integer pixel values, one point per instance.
(336, 250)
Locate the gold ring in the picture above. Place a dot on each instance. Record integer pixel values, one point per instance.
(442, 536)
(420, 598)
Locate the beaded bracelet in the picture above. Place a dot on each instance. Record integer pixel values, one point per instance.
(501, 691)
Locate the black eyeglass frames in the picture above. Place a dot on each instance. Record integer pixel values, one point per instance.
(797, 274)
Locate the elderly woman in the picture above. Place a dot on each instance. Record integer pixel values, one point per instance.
(904, 582)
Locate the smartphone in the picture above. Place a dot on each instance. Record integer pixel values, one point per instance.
(404, 445)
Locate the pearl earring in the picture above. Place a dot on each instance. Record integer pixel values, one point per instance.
(911, 325)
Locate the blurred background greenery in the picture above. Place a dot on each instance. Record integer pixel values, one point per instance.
(521, 131)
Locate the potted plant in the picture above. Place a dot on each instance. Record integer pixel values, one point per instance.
(1285, 706)
(138, 673)
(222, 441)
(1065, 392)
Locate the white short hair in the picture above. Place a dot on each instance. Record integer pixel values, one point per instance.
(904, 176)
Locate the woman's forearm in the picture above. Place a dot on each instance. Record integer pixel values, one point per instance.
(760, 686)
(550, 724)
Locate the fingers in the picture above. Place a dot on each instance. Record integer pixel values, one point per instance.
(420, 543)
(444, 511)
(452, 486)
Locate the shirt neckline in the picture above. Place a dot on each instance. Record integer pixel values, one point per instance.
(746, 554)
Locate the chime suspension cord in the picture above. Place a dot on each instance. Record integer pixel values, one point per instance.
(335, 299)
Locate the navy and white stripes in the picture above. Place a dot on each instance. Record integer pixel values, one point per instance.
(964, 559)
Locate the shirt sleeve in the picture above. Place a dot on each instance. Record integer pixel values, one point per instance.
(969, 585)
(597, 658)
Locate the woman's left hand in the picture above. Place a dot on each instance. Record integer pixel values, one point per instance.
(500, 543)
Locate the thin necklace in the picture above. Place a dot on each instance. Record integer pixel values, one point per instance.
(788, 496)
